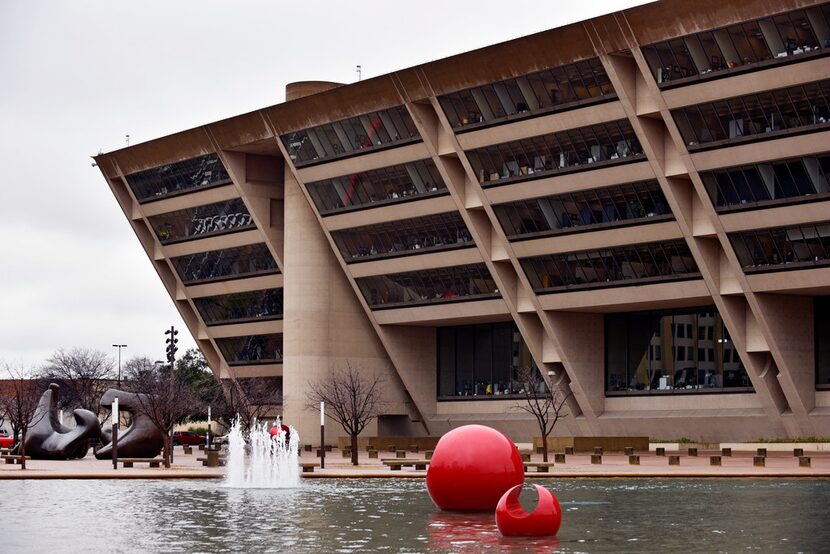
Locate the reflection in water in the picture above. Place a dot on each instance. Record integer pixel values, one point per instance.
(474, 532)
(397, 516)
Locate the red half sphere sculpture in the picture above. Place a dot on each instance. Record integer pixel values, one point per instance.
(471, 468)
(513, 521)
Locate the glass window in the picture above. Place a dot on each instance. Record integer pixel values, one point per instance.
(389, 185)
(482, 361)
(446, 284)
(176, 178)
(780, 39)
(795, 247)
(633, 343)
(821, 311)
(583, 210)
(214, 265)
(570, 150)
(407, 236)
(775, 182)
(255, 349)
(202, 221)
(354, 135)
(240, 307)
(657, 261)
(803, 107)
(540, 92)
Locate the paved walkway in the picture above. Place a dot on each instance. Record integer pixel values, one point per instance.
(778, 464)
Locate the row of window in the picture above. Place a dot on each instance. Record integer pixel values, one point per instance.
(255, 349)
(202, 221)
(641, 263)
(179, 177)
(583, 210)
(555, 152)
(257, 305)
(416, 235)
(755, 114)
(349, 136)
(769, 40)
(376, 187)
(534, 93)
(242, 261)
(769, 182)
(793, 247)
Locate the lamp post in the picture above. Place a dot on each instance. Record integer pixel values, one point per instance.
(119, 347)
(322, 435)
(115, 433)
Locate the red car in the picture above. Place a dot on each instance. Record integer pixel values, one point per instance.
(188, 437)
(6, 441)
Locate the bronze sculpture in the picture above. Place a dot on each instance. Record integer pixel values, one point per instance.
(48, 439)
(142, 439)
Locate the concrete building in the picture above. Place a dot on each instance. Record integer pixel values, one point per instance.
(638, 204)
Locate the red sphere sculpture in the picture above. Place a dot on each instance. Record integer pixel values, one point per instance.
(513, 521)
(471, 468)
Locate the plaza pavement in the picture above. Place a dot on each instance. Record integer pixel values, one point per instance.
(740, 464)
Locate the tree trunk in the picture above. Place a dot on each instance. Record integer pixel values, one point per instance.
(545, 448)
(354, 450)
(167, 450)
(23, 451)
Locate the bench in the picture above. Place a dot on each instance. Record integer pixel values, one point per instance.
(674, 460)
(187, 450)
(212, 460)
(803, 461)
(715, 461)
(395, 464)
(541, 467)
(559, 458)
(308, 467)
(759, 461)
(633, 460)
(128, 462)
(13, 459)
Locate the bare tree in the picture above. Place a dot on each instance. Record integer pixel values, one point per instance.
(19, 405)
(83, 373)
(164, 397)
(248, 400)
(547, 404)
(352, 399)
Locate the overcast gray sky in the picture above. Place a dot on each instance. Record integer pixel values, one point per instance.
(76, 76)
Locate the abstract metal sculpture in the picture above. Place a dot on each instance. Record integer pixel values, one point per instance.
(513, 521)
(48, 439)
(472, 467)
(142, 439)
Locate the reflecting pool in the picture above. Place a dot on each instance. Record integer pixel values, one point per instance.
(396, 515)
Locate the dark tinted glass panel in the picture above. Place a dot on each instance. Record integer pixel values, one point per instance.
(388, 185)
(350, 136)
(243, 306)
(222, 264)
(805, 107)
(192, 223)
(783, 38)
(175, 178)
(821, 310)
(604, 267)
(446, 284)
(582, 148)
(407, 236)
(256, 349)
(796, 247)
(672, 351)
(544, 91)
(576, 211)
(794, 179)
(481, 361)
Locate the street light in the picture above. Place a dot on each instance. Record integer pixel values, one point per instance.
(119, 347)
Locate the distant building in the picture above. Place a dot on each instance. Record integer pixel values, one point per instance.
(639, 203)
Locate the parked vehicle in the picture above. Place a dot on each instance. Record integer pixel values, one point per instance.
(188, 437)
(6, 440)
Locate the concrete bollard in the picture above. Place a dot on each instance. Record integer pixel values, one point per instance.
(596, 459)
(373, 454)
(798, 452)
(660, 451)
(803, 461)
(307, 448)
(400, 453)
(559, 458)
(674, 460)
(693, 452)
(725, 452)
(714, 460)
(761, 452)
(629, 451)
(759, 461)
(598, 450)
(569, 450)
(633, 460)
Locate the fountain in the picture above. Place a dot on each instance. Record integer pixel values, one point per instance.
(260, 461)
